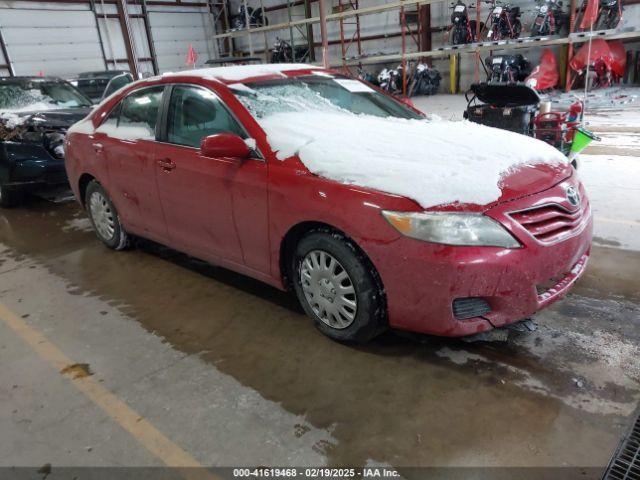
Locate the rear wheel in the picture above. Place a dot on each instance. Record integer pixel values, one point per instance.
(338, 288)
(104, 217)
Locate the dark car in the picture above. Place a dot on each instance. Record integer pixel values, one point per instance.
(95, 85)
(35, 113)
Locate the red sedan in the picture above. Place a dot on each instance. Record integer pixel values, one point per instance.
(307, 180)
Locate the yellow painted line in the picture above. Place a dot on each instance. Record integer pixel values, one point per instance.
(143, 431)
(633, 223)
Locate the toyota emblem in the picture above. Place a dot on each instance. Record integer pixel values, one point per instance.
(573, 197)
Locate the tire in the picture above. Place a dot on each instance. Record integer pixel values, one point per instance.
(104, 217)
(517, 29)
(457, 36)
(323, 263)
(10, 197)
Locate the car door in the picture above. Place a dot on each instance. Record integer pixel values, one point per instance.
(127, 141)
(214, 207)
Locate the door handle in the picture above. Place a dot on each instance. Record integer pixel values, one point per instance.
(166, 164)
(97, 147)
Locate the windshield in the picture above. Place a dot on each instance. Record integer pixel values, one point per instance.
(40, 95)
(318, 92)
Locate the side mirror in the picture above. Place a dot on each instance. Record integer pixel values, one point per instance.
(225, 145)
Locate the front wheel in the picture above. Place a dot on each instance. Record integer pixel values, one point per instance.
(104, 217)
(338, 288)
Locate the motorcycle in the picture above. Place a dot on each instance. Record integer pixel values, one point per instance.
(390, 80)
(504, 21)
(283, 53)
(463, 29)
(507, 68)
(599, 66)
(603, 14)
(424, 81)
(550, 18)
(256, 18)
(609, 15)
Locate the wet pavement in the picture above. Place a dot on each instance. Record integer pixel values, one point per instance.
(232, 370)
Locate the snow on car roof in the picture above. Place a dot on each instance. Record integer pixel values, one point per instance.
(242, 72)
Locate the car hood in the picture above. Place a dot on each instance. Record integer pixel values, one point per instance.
(58, 119)
(435, 163)
(530, 179)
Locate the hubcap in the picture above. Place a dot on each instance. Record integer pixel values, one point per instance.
(102, 215)
(328, 289)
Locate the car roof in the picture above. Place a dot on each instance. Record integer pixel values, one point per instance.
(24, 79)
(102, 73)
(238, 73)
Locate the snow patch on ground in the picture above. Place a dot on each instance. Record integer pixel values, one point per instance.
(432, 162)
(81, 224)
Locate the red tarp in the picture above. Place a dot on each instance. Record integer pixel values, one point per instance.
(599, 51)
(590, 15)
(545, 75)
(619, 55)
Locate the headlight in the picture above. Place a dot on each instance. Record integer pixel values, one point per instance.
(452, 228)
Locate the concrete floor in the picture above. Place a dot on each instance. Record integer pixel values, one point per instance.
(193, 364)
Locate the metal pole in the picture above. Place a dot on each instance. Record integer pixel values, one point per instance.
(323, 33)
(572, 26)
(92, 6)
(477, 55)
(264, 34)
(5, 52)
(291, 40)
(123, 15)
(310, 41)
(106, 29)
(152, 47)
(343, 47)
(403, 24)
(247, 21)
(586, 76)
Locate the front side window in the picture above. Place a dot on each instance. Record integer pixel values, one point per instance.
(195, 113)
(139, 114)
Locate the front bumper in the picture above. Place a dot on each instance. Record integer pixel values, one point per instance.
(31, 166)
(423, 279)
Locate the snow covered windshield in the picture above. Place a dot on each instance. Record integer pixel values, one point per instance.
(40, 95)
(315, 92)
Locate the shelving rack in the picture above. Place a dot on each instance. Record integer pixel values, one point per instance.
(351, 9)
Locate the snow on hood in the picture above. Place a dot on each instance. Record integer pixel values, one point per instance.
(431, 162)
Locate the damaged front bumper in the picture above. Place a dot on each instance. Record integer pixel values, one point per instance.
(30, 167)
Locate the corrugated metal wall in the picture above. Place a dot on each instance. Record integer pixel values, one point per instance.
(64, 39)
(51, 40)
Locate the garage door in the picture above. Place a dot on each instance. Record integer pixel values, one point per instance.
(56, 42)
(173, 32)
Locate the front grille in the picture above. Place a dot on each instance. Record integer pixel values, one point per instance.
(625, 464)
(550, 223)
(470, 307)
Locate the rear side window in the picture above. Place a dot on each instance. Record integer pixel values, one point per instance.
(195, 113)
(136, 116)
